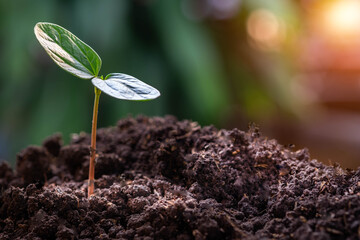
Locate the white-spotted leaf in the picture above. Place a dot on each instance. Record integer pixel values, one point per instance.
(68, 51)
(123, 86)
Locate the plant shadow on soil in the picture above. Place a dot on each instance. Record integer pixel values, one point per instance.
(160, 178)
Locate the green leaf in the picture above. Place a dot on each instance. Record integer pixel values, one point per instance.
(123, 86)
(68, 51)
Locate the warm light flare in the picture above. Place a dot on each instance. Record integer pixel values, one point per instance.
(265, 30)
(342, 18)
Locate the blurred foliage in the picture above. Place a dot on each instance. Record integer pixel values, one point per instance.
(148, 39)
(196, 53)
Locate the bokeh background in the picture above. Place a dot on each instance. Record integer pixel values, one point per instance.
(291, 67)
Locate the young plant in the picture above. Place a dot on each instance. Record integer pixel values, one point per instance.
(79, 59)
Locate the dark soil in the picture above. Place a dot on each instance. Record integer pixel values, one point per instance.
(159, 178)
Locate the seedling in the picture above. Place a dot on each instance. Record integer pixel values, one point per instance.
(79, 59)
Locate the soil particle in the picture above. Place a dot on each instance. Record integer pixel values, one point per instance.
(159, 178)
(53, 144)
(32, 164)
(6, 175)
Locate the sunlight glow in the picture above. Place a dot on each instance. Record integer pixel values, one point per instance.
(342, 18)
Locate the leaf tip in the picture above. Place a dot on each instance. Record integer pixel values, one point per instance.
(36, 28)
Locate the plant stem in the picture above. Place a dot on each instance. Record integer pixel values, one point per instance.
(93, 143)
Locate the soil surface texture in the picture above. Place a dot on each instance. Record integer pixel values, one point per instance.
(160, 178)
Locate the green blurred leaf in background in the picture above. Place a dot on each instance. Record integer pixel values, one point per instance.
(149, 39)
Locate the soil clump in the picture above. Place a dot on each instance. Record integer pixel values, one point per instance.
(160, 178)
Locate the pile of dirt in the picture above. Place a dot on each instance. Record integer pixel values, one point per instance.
(159, 178)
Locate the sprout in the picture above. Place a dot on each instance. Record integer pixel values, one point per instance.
(79, 59)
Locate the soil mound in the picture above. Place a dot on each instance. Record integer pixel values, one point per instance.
(159, 178)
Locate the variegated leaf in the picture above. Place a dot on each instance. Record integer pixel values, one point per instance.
(68, 51)
(123, 86)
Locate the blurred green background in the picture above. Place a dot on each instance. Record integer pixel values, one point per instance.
(220, 62)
